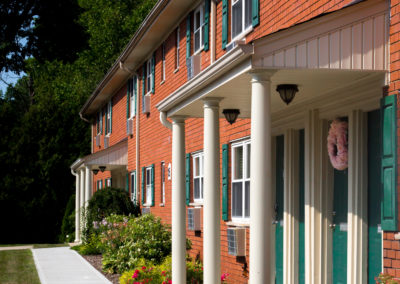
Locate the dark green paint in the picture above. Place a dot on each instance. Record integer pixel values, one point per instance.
(255, 13)
(187, 176)
(225, 180)
(225, 10)
(206, 24)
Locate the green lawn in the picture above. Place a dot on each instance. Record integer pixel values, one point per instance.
(17, 266)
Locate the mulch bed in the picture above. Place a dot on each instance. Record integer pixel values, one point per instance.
(95, 261)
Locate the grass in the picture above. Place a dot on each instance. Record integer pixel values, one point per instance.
(17, 266)
(36, 245)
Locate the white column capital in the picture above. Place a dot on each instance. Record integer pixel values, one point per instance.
(259, 76)
(176, 119)
(212, 102)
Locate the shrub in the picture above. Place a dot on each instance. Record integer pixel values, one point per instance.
(104, 203)
(385, 279)
(92, 246)
(68, 222)
(126, 240)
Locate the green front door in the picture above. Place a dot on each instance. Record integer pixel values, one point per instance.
(279, 210)
(339, 234)
(374, 197)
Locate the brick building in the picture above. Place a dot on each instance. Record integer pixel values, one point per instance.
(158, 130)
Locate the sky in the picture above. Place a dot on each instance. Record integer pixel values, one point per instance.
(10, 78)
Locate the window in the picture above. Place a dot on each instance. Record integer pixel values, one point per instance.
(108, 114)
(241, 180)
(148, 76)
(99, 184)
(99, 122)
(163, 183)
(108, 182)
(198, 28)
(177, 47)
(133, 187)
(148, 186)
(132, 97)
(241, 17)
(198, 161)
(163, 62)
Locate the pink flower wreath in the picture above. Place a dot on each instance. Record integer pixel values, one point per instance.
(337, 144)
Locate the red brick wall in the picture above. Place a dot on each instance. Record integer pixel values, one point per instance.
(391, 254)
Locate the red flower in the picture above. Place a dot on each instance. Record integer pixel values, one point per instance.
(143, 268)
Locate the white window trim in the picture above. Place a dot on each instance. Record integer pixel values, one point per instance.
(162, 183)
(199, 155)
(177, 48)
(149, 77)
(108, 180)
(163, 62)
(99, 122)
(245, 30)
(132, 99)
(148, 187)
(108, 118)
(243, 180)
(200, 29)
(133, 186)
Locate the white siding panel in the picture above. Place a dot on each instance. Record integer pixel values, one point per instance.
(334, 50)
(279, 59)
(345, 48)
(323, 52)
(301, 55)
(269, 61)
(312, 53)
(379, 42)
(368, 36)
(357, 34)
(290, 57)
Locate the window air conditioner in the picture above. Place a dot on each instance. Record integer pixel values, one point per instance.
(193, 64)
(106, 142)
(237, 241)
(98, 140)
(194, 219)
(146, 104)
(130, 126)
(145, 210)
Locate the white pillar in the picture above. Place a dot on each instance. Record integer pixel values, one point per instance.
(291, 208)
(260, 183)
(357, 238)
(211, 212)
(178, 202)
(82, 201)
(88, 188)
(77, 208)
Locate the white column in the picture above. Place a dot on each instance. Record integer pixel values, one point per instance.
(77, 208)
(357, 249)
(88, 188)
(178, 202)
(260, 182)
(291, 208)
(211, 212)
(318, 202)
(82, 200)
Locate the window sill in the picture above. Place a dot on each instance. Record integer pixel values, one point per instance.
(196, 204)
(242, 35)
(162, 82)
(176, 70)
(237, 224)
(146, 205)
(198, 51)
(162, 205)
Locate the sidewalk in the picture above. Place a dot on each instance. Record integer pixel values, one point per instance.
(15, 248)
(63, 265)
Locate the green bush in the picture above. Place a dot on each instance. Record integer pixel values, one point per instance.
(92, 246)
(104, 203)
(147, 272)
(68, 222)
(126, 240)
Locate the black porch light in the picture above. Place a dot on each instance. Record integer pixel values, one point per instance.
(95, 171)
(102, 168)
(231, 115)
(287, 92)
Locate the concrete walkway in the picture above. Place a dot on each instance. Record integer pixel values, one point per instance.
(65, 266)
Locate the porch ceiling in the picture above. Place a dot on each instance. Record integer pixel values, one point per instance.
(333, 91)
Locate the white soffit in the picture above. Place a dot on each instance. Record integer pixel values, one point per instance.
(355, 38)
(116, 155)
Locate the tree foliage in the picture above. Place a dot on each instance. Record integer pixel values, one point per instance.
(40, 127)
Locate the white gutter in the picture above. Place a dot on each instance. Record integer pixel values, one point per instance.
(137, 145)
(164, 121)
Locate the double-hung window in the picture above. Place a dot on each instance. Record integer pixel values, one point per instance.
(198, 28)
(163, 62)
(133, 186)
(99, 184)
(148, 185)
(108, 115)
(132, 97)
(99, 122)
(241, 180)
(241, 17)
(149, 76)
(177, 48)
(163, 183)
(198, 162)
(108, 182)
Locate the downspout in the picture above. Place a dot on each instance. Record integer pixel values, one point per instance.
(213, 14)
(164, 121)
(137, 143)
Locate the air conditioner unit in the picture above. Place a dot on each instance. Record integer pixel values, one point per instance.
(130, 126)
(145, 210)
(237, 241)
(106, 142)
(194, 219)
(146, 104)
(193, 64)
(98, 140)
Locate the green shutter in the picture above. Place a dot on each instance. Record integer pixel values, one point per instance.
(143, 185)
(224, 23)
(111, 107)
(255, 13)
(144, 85)
(206, 24)
(225, 161)
(128, 90)
(389, 163)
(127, 183)
(187, 179)
(153, 68)
(152, 186)
(188, 34)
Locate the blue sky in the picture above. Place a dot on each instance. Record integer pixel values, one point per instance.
(10, 78)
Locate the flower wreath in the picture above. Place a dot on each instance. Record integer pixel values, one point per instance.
(337, 144)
